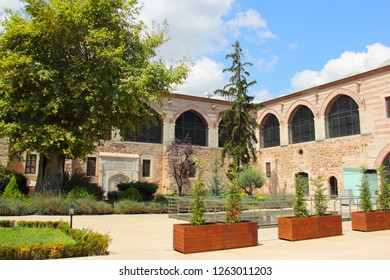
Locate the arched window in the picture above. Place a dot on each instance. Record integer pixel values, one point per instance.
(386, 163)
(270, 132)
(343, 117)
(151, 133)
(302, 126)
(333, 186)
(192, 126)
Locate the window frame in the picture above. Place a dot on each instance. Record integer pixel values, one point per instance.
(29, 167)
(146, 173)
(94, 167)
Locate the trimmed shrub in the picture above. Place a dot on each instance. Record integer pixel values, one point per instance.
(88, 243)
(250, 179)
(6, 174)
(113, 196)
(130, 194)
(12, 190)
(146, 189)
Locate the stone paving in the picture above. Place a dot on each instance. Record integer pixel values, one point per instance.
(149, 237)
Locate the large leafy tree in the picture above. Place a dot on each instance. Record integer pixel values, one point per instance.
(238, 122)
(70, 71)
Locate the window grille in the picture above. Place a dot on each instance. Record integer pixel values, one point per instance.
(302, 126)
(146, 134)
(343, 118)
(146, 167)
(191, 125)
(31, 164)
(91, 166)
(270, 132)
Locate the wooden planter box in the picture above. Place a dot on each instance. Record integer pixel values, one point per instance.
(371, 221)
(293, 229)
(211, 237)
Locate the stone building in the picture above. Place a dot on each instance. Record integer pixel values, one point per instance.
(329, 130)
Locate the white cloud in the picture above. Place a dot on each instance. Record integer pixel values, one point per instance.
(206, 76)
(349, 63)
(261, 96)
(293, 46)
(248, 22)
(268, 65)
(195, 27)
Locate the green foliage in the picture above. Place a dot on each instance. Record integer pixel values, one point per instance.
(300, 205)
(87, 243)
(12, 190)
(78, 193)
(130, 194)
(384, 190)
(80, 181)
(238, 124)
(71, 70)
(216, 187)
(320, 198)
(198, 192)
(250, 178)
(6, 174)
(365, 202)
(53, 205)
(233, 204)
(146, 189)
(133, 207)
(113, 196)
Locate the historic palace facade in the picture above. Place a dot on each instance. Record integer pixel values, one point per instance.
(330, 130)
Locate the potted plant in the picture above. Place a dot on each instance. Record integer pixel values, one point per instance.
(302, 226)
(199, 236)
(237, 233)
(367, 219)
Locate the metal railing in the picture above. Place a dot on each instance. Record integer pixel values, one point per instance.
(264, 212)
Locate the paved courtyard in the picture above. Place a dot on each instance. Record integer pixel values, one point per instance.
(149, 237)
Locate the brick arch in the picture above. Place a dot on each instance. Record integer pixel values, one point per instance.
(333, 96)
(264, 114)
(290, 112)
(382, 156)
(198, 110)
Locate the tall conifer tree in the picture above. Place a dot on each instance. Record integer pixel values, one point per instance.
(239, 124)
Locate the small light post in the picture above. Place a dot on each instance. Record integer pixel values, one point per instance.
(71, 213)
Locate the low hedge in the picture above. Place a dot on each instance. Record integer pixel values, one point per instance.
(59, 205)
(133, 207)
(88, 243)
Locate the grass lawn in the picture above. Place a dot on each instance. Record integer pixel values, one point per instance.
(23, 236)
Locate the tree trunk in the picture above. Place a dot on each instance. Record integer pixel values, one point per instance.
(50, 174)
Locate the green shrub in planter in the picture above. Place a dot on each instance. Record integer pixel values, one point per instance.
(365, 202)
(300, 205)
(384, 190)
(320, 199)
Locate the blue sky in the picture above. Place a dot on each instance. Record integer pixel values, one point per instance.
(293, 44)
